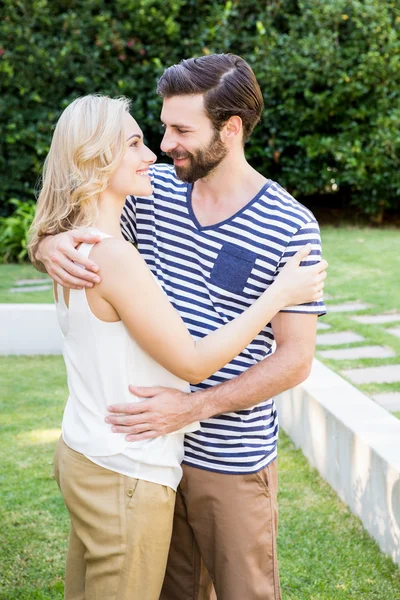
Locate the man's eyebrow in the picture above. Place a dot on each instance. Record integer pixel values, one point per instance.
(178, 125)
(137, 135)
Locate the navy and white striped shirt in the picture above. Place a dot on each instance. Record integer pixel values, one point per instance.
(211, 274)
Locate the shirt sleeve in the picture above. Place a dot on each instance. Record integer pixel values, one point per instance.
(128, 220)
(307, 234)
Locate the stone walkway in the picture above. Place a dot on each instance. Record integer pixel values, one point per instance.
(31, 285)
(395, 331)
(338, 339)
(358, 352)
(348, 307)
(364, 375)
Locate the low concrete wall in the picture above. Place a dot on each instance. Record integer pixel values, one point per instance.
(29, 329)
(355, 445)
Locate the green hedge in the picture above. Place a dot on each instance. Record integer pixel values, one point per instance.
(329, 71)
(14, 231)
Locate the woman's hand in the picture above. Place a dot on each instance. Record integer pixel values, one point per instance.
(299, 285)
(62, 261)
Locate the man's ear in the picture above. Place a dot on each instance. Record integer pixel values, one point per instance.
(233, 128)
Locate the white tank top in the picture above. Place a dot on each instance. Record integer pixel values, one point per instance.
(101, 360)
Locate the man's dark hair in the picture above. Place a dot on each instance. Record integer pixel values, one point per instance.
(227, 82)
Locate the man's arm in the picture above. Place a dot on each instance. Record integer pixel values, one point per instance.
(57, 255)
(165, 410)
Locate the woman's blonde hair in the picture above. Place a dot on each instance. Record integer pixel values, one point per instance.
(87, 145)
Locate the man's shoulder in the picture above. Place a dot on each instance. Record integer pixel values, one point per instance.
(164, 176)
(280, 201)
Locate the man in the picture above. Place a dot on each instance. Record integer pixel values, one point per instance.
(216, 233)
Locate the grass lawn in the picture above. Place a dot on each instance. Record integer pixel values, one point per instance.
(10, 274)
(364, 264)
(324, 551)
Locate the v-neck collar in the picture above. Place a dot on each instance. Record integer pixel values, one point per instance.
(220, 223)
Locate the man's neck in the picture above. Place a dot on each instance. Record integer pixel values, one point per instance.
(226, 191)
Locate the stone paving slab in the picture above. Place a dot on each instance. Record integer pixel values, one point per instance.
(394, 331)
(376, 319)
(32, 281)
(32, 288)
(348, 307)
(389, 400)
(336, 339)
(359, 352)
(323, 325)
(384, 374)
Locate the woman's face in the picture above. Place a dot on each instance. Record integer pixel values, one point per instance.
(131, 176)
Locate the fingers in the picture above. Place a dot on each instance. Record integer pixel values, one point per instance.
(135, 408)
(133, 429)
(319, 267)
(146, 392)
(321, 276)
(70, 273)
(322, 265)
(79, 237)
(89, 265)
(142, 436)
(66, 280)
(302, 253)
(319, 292)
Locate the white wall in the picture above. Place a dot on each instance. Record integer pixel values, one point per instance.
(29, 329)
(355, 445)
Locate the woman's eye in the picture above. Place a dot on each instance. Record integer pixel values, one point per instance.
(134, 144)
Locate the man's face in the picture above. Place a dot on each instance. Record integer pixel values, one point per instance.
(189, 138)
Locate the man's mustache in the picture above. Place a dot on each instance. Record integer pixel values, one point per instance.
(178, 155)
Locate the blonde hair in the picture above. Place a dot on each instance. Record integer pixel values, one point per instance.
(87, 145)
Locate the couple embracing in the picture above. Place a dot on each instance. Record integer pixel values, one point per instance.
(167, 459)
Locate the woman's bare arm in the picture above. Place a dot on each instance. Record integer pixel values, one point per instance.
(128, 285)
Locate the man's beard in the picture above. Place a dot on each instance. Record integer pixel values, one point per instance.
(203, 162)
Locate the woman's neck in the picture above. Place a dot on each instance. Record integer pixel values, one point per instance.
(109, 216)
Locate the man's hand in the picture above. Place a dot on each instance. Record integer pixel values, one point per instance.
(61, 259)
(165, 410)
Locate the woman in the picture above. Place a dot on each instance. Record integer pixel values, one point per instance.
(120, 495)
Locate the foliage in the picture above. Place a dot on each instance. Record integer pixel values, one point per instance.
(330, 76)
(14, 231)
(329, 72)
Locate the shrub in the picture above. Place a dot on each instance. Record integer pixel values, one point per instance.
(14, 231)
(329, 72)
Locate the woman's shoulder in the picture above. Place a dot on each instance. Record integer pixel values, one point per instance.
(111, 249)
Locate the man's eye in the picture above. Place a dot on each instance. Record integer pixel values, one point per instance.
(182, 130)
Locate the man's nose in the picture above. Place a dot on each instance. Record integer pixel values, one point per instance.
(168, 143)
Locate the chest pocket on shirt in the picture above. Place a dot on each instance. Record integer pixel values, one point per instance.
(232, 268)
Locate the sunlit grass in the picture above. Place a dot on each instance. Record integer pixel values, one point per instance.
(325, 554)
(39, 436)
(10, 274)
(364, 264)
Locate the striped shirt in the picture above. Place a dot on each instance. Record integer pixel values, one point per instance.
(211, 274)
